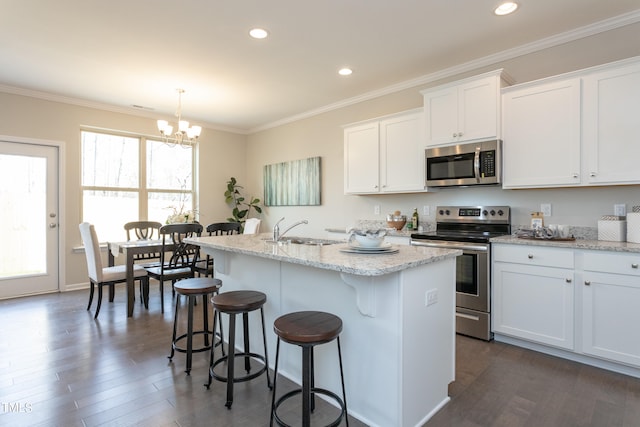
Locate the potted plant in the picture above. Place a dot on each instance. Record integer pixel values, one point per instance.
(241, 207)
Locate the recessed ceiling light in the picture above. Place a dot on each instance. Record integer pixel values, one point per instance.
(345, 71)
(258, 33)
(506, 8)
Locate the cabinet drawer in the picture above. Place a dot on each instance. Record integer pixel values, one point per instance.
(533, 255)
(612, 262)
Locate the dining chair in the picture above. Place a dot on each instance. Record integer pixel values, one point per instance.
(144, 230)
(252, 226)
(177, 257)
(204, 266)
(105, 276)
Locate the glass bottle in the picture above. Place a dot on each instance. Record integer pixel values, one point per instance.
(415, 221)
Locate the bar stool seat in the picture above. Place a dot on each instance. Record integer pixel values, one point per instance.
(234, 303)
(308, 329)
(192, 289)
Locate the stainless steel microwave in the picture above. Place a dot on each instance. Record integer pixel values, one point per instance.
(472, 163)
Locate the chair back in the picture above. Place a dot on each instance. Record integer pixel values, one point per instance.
(252, 226)
(92, 251)
(183, 254)
(223, 228)
(142, 230)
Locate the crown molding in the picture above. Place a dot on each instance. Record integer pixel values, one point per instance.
(546, 43)
(132, 111)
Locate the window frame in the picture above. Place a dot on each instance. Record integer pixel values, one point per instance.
(142, 190)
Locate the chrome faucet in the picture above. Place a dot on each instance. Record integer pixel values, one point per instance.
(276, 229)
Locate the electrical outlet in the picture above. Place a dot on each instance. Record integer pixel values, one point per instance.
(545, 208)
(425, 210)
(376, 210)
(620, 210)
(431, 297)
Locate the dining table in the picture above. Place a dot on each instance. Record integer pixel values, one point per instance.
(130, 249)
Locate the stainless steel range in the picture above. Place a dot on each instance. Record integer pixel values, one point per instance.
(469, 228)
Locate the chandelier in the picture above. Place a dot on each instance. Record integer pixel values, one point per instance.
(185, 136)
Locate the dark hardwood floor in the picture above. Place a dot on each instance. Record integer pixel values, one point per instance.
(59, 367)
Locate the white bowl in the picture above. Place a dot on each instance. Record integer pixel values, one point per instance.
(369, 241)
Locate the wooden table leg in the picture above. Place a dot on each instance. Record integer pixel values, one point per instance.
(130, 284)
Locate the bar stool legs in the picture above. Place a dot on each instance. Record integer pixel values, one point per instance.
(234, 303)
(308, 329)
(193, 288)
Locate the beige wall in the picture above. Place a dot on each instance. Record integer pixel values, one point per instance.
(322, 136)
(221, 155)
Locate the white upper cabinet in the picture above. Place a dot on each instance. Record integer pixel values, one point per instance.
(465, 110)
(611, 129)
(578, 129)
(542, 135)
(385, 155)
(361, 159)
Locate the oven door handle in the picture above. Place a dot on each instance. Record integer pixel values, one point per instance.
(451, 245)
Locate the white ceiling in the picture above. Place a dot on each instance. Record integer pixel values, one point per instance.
(124, 53)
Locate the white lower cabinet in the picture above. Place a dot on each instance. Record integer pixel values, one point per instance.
(611, 306)
(586, 302)
(533, 295)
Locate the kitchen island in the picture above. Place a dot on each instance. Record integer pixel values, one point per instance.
(398, 352)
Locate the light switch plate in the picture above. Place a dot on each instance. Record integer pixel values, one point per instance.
(545, 208)
(620, 210)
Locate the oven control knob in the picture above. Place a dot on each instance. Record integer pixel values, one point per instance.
(448, 212)
(500, 212)
(493, 212)
(441, 212)
(485, 212)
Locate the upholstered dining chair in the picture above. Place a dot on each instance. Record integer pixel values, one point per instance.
(105, 276)
(204, 266)
(177, 257)
(252, 226)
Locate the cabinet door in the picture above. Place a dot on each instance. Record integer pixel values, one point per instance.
(478, 109)
(610, 317)
(541, 131)
(361, 159)
(402, 153)
(612, 126)
(534, 303)
(441, 116)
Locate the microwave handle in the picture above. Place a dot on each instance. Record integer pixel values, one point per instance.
(476, 165)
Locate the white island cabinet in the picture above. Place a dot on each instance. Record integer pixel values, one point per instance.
(398, 353)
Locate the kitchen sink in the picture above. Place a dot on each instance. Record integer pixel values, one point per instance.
(311, 241)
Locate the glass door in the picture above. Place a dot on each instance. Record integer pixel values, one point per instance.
(28, 219)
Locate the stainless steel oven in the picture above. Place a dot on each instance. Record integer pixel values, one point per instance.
(469, 228)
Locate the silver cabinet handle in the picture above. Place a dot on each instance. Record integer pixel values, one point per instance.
(587, 283)
(455, 134)
(53, 225)
(530, 256)
(592, 174)
(575, 175)
(634, 265)
(568, 280)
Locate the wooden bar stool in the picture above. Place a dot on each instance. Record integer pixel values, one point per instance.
(234, 303)
(192, 289)
(308, 329)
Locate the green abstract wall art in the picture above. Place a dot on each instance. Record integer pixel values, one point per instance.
(293, 183)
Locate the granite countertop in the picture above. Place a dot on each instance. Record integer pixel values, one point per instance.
(328, 257)
(598, 245)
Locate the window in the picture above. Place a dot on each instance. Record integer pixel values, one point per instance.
(128, 178)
